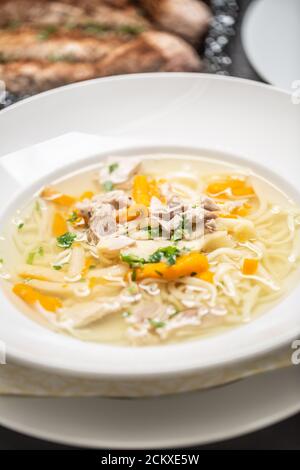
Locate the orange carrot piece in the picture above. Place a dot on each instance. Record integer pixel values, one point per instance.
(31, 296)
(86, 195)
(59, 225)
(144, 189)
(250, 266)
(207, 276)
(132, 213)
(152, 270)
(228, 188)
(140, 190)
(186, 265)
(51, 194)
(89, 261)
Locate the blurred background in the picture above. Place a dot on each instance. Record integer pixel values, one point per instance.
(45, 44)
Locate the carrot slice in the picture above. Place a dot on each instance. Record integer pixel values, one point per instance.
(31, 296)
(86, 195)
(144, 189)
(59, 225)
(132, 213)
(51, 194)
(250, 266)
(229, 188)
(186, 265)
(207, 276)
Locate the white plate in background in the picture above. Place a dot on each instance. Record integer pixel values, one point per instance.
(271, 39)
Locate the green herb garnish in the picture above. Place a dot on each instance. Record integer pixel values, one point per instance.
(126, 314)
(31, 256)
(108, 186)
(95, 28)
(47, 32)
(156, 323)
(133, 260)
(113, 167)
(133, 289)
(102, 28)
(168, 253)
(73, 217)
(132, 30)
(13, 24)
(66, 240)
(20, 225)
(41, 251)
(57, 267)
(37, 207)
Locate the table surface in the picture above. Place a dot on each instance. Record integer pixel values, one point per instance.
(284, 435)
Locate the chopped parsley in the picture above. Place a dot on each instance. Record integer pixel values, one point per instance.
(133, 277)
(47, 32)
(66, 240)
(156, 323)
(172, 315)
(95, 28)
(37, 207)
(126, 314)
(20, 225)
(132, 30)
(57, 267)
(133, 289)
(31, 256)
(41, 251)
(133, 260)
(108, 186)
(113, 167)
(13, 24)
(73, 217)
(168, 254)
(62, 58)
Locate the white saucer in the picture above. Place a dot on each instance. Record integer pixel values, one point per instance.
(271, 38)
(177, 421)
(174, 109)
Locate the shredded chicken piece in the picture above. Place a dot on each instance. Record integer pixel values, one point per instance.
(118, 199)
(80, 316)
(119, 170)
(102, 223)
(114, 244)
